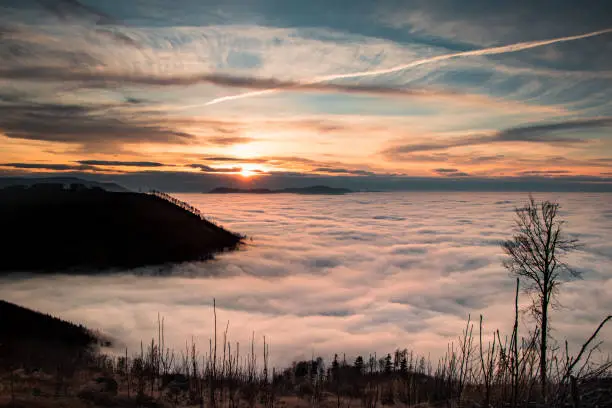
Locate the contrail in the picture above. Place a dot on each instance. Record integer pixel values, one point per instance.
(485, 51)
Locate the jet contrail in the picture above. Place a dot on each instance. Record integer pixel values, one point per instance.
(485, 51)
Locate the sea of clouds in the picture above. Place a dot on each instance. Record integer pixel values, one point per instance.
(354, 274)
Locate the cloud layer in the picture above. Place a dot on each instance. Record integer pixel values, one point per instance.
(548, 133)
(357, 274)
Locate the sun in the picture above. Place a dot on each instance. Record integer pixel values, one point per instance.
(246, 173)
(250, 170)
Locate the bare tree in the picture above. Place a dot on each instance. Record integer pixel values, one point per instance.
(488, 360)
(535, 255)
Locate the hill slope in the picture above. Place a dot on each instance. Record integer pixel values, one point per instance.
(49, 228)
(33, 339)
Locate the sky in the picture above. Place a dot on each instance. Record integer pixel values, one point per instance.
(185, 95)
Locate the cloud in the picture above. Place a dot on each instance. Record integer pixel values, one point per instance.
(207, 169)
(121, 163)
(547, 133)
(81, 125)
(441, 170)
(278, 165)
(550, 173)
(475, 159)
(119, 37)
(236, 159)
(49, 166)
(480, 22)
(229, 140)
(310, 165)
(110, 79)
(429, 60)
(450, 172)
(74, 9)
(344, 171)
(357, 274)
(104, 126)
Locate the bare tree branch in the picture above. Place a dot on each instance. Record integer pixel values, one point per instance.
(535, 255)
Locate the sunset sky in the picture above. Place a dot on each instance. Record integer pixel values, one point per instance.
(267, 92)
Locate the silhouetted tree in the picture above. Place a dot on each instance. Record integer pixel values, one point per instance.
(320, 369)
(396, 359)
(302, 368)
(403, 364)
(535, 255)
(388, 364)
(372, 364)
(359, 365)
(335, 369)
(422, 366)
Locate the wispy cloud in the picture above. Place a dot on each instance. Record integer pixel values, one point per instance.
(100, 126)
(81, 125)
(547, 133)
(335, 170)
(229, 140)
(450, 172)
(49, 166)
(207, 169)
(223, 159)
(545, 173)
(121, 163)
(74, 9)
(481, 52)
(114, 80)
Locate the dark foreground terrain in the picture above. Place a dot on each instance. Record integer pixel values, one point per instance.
(29, 339)
(49, 363)
(48, 227)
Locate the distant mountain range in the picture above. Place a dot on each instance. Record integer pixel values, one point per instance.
(29, 181)
(323, 190)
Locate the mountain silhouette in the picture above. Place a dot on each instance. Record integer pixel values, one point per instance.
(48, 227)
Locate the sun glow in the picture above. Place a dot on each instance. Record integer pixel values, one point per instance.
(243, 151)
(250, 170)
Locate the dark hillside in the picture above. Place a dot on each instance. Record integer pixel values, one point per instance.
(29, 338)
(49, 228)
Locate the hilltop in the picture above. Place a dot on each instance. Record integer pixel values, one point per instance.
(51, 228)
(323, 190)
